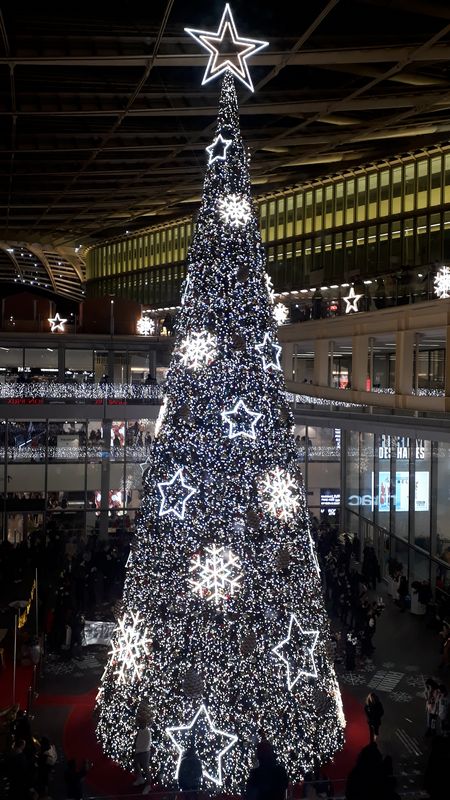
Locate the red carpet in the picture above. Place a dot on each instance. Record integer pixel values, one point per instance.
(24, 679)
(106, 777)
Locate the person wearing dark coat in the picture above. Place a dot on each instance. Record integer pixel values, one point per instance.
(190, 773)
(269, 780)
(74, 779)
(366, 781)
(436, 771)
(374, 712)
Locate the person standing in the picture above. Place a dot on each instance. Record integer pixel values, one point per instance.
(269, 780)
(431, 705)
(190, 773)
(374, 711)
(142, 745)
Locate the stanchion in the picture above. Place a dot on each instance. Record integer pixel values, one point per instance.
(16, 616)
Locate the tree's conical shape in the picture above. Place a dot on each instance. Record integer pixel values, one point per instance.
(224, 633)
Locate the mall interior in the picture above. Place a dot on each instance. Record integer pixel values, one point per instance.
(104, 126)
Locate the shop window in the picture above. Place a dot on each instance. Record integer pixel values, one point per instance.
(280, 218)
(318, 200)
(308, 211)
(435, 237)
(409, 198)
(385, 191)
(290, 216)
(339, 204)
(397, 190)
(361, 198)
(299, 214)
(373, 195)
(422, 184)
(436, 181)
(349, 201)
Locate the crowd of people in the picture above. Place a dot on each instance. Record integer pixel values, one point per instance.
(83, 577)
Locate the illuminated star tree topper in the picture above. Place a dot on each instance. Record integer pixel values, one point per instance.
(228, 51)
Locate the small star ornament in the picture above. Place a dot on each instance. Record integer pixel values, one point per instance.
(241, 421)
(174, 495)
(217, 151)
(270, 353)
(227, 50)
(351, 301)
(56, 323)
(210, 743)
(297, 652)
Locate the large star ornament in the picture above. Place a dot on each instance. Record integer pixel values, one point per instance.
(352, 301)
(241, 421)
(297, 652)
(270, 353)
(210, 743)
(227, 50)
(174, 495)
(57, 323)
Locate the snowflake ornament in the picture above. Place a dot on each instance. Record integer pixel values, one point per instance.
(442, 283)
(217, 574)
(235, 210)
(145, 326)
(198, 350)
(279, 495)
(280, 313)
(129, 649)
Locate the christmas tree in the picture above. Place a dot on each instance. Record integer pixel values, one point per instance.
(223, 632)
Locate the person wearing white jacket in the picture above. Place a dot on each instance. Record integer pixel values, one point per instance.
(142, 745)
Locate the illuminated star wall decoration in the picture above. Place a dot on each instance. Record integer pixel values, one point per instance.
(279, 494)
(270, 353)
(297, 652)
(174, 495)
(57, 323)
(198, 350)
(442, 283)
(234, 210)
(217, 574)
(217, 151)
(227, 50)
(210, 743)
(129, 648)
(241, 421)
(351, 301)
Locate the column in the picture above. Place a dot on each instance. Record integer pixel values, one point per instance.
(404, 362)
(152, 363)
(105, 479)
(61, 353)
(321, 367)
(287, 360)
(360, 357)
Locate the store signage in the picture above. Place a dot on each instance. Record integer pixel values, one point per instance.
(25, 401)
(403, 448)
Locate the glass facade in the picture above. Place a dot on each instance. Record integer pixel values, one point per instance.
(77, 474)
(396, 495)
(380, 220)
